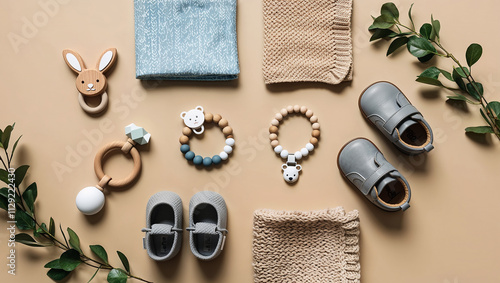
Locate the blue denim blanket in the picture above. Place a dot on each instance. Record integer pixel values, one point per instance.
(186, 40)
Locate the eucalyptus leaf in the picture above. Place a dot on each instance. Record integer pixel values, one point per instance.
(382, 33)
(410, 16)
(6, 136)
(382, 22)
(426, 31)
(390, 10)
(52, 227)
(429, 81)
(70, 260)
(473, 54)
(480, 130)
(399, 34)
(99, 251)
(20, 174)
(124, 261)
(29, 196)
(494, 108)
(396, 44)
(426, 58)
(74, 241)
(420, 47)
(57, 274)
(446, 74)
(15, 146)
(460, 97)
(431, 72)
(4, 176)
(95, 273)
(472, 91)
(461, 72)
(436, 28)
(117, 276)
(24, 221)
(26, 239)
(53, 264)
(459, 80)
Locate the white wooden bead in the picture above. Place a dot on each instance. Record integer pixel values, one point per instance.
(228, 149)
(315, 126)
(278, 149)
(310, 146)
(230, 141)
(298, 155)
(284, 153)
(303, 110)
(275, 122)
(313, 119)
(309, 113)
(296, 108)
(278, 116)
(304, 151)
(284, 112)
(223, 155)
(289, 108)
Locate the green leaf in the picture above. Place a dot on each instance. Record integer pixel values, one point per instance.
(460, 97)
(52, 227)
(74, 241)
(70, 260)
(426, 58)
(431, 72)
(426, 31)
(14, 147)
(20, 174)
(390, 10)
(410, 16)
(57, 274)
(396, 44)
(494, 108)
(480, 130)
(382, 22)
(461, 72)
(472, 91)
(124, 261)
(399, 34)
(382, 33)
(436, 27)
(420, 47)
(446, 74)
(95, 273)
(117, 276)
(6, 136)
(26, 239)
(429, 81)
(53, 264)
(4, 203)
(24, 221)
(459, 80)
(473, 54)
(99, 251)
(30, 195)
(4, 176)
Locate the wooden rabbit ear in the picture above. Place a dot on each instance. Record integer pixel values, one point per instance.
(107, 60)
(73, 60)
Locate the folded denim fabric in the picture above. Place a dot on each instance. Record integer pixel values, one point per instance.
(186, 40)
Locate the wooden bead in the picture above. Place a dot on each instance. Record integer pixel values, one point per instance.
(275, 143)
(309, 113)
(223, 123)
(229, 137)
(313, 119)
(273, 137)
(314, 141)
(209, 117)
(284, 112)
(217, 118)
(275, 122)
(187, 131)
(303, 110)
(315, 126)
(289, 108)
(296, 108)
(273, 129)
(278, 116)
(316, 133)
(184, 139)
(227, 130)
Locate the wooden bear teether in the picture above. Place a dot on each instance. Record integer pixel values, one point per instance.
(91, 82)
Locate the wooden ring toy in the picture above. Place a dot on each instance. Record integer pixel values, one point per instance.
(291, 169)
(90, 200)
(91, 81)
(194, 120)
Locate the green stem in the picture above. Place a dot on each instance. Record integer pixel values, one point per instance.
(4, 165)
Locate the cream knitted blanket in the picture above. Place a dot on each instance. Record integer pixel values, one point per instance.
(307, 41)
(315, 246)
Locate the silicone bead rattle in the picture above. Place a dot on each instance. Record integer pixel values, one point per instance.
(91, 82)
(291, 169)
(194, 120)
(91, 200)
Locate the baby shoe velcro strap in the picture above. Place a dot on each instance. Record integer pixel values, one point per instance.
(375, 177)
(399, 116)
(205, 228)
(161, 229)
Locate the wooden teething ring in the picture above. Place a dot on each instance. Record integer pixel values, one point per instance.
(93, 110)
(127, 148)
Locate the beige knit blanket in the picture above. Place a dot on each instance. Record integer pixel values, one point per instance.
(315, 246)
(307, 41)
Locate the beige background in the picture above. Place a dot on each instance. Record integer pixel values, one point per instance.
(450, 234)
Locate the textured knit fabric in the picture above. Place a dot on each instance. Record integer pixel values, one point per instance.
(307, 41)
(315, 246)
(186, 40)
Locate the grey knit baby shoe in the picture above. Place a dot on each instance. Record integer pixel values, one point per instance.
(207, 224)
(163, 226)
(389, 110)
(362, 163)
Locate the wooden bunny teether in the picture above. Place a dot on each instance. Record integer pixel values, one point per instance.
(91, 82)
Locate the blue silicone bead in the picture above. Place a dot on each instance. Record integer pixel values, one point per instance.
(185, 148)
(216, 159)
(197, 160)
(207, 161)
(189, 155)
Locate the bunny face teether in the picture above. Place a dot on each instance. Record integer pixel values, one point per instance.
(90, 81)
